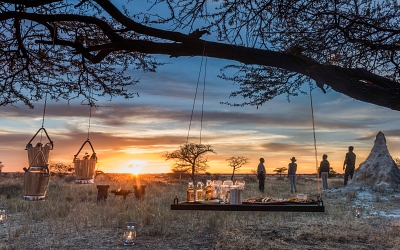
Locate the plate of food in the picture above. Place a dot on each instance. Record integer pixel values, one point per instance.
(307, 200)
(264, 200)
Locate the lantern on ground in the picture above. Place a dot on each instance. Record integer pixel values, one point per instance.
(130, 234)
(358, 211)
(3, 215)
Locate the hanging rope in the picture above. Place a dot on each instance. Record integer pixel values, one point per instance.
(204, 90)
(44, 109)
(90, 117)
(44, 113)
(315, 140)
(195, 96)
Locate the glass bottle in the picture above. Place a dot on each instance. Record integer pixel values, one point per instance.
(215, 188)
(199, 191)
(208, 190)
(190, 192)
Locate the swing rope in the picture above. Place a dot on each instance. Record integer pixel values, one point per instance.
(90, 111)
(44, 109)
(90, 117)
(195, 96)
(315, 140)
(204, 89)
(44, 113)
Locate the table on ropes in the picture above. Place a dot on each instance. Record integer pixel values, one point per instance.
(274, 207)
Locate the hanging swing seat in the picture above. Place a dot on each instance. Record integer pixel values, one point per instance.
(37, 175)
(85, 167)
(248, 206)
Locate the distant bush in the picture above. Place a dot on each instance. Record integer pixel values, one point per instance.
(69, 178)
(11, 190)
(250, 178)
(216, 176)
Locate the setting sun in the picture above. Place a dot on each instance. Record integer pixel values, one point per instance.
(135, 167)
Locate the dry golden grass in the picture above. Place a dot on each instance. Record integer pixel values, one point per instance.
(71, 218)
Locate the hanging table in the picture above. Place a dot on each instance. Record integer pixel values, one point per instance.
(273, 207)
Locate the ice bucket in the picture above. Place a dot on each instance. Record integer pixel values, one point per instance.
(85, 167)
(37, 176)
(38, 162)
(36, 179)
(35, 185)
(85, 170)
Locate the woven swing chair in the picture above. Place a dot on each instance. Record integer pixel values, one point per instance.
(37, 175)
(85, 167)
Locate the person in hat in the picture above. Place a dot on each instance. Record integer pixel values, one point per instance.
(324, 168)
(292, 174)
(261, 173)
(349, 165)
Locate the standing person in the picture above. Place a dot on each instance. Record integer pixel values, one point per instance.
(350, 163)
(292, 174)
(324, 168)
(261, 173)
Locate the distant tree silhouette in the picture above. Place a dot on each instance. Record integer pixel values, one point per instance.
(236, 162)
(280, 171)
(332, 172)
(60, 168)
(191, 155)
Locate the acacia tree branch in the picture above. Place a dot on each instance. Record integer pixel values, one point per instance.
(32, 3)
(40, 18)
(356, 83)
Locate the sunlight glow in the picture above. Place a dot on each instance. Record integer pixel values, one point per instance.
(135, 167)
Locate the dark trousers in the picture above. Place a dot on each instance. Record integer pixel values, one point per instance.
(261, 181)
(349, 171)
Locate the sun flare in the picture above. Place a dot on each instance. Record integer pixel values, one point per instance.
(136, 167)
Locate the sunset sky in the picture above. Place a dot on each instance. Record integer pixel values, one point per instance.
(141, 130)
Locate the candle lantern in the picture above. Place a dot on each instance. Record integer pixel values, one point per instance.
(3, 215)
(358, 211)
(85, 167)
(37, 176)
(130, 234)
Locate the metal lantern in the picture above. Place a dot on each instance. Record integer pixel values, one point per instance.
(3, 215)
(37, 175)
(85, 167)
(358, 211)
(130, 234)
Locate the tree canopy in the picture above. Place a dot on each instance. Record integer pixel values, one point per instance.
(190, 156)
(69, 49)
(236, 162)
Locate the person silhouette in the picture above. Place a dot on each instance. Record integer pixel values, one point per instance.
(292, 168)
(324, 168)
(349, 165)
(261, 174)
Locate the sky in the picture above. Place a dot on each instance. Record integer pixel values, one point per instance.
(139, 131)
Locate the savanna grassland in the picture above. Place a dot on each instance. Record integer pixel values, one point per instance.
(71, 218)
